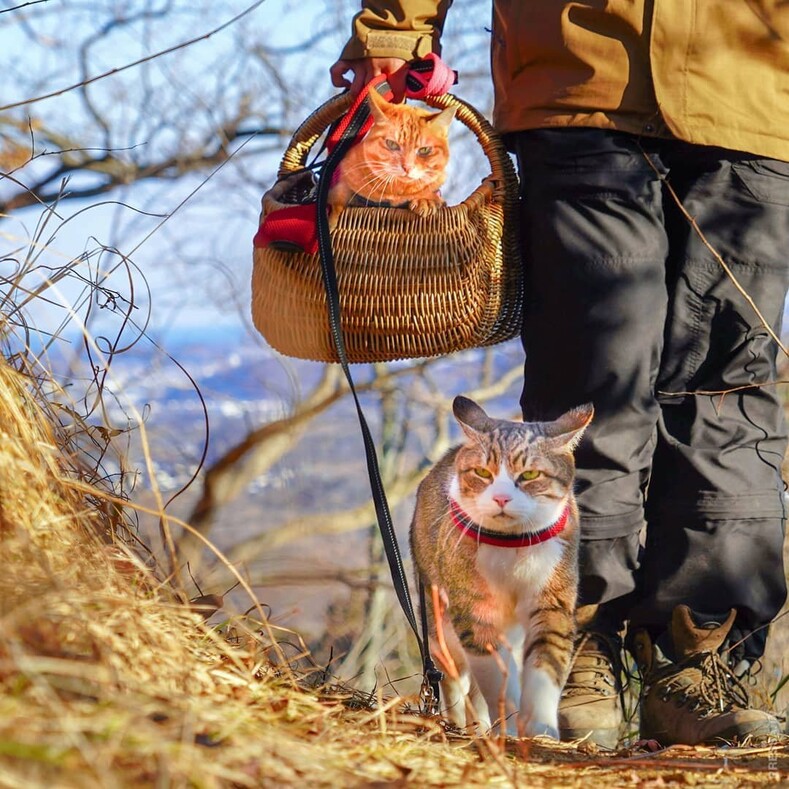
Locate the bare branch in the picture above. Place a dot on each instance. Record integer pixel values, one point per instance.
(321, 524)
(23, 5)
(140, 61)
(116, 172)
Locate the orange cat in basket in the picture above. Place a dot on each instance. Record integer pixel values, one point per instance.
(401, 162)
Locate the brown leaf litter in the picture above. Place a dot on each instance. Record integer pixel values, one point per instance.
(109, 679)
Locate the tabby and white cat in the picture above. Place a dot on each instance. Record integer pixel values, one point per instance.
(400, 162)
(495, 529)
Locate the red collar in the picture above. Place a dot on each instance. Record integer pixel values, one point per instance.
(488, 537)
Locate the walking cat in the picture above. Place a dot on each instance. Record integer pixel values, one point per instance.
(495, 529)
(401, 161)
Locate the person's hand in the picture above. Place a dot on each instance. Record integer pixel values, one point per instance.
(364, 69)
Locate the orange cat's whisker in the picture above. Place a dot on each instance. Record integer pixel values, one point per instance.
(346, 169)
(368, 188)
(386, 187)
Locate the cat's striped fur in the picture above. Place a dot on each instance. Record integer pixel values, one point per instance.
(510, 478)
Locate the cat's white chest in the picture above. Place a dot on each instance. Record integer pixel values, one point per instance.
(519, 574)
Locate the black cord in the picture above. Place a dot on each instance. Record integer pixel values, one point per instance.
(383, 515)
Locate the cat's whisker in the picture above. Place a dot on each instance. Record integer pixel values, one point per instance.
(351, 169)
(364, 182)
(372, 178)
(368, 188)
(385, 187)
(452, 540)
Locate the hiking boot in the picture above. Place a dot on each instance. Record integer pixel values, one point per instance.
(591, 707)
(688, 694)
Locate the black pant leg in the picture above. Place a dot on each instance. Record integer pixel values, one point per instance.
(595, 251)
(715, 504)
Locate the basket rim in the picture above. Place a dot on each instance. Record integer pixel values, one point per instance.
(483, 195)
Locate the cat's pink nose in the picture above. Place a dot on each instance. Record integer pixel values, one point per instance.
(502, 500)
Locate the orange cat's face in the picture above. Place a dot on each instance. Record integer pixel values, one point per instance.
(403, 156)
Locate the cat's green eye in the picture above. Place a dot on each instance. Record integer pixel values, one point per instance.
(483, 472)
(425, 150)
(529, 475)
(392, 145)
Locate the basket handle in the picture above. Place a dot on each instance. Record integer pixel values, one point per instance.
(310, 131)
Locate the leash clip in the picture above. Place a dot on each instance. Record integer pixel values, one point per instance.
(428, 694)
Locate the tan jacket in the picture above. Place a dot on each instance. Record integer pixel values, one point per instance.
(713, 72)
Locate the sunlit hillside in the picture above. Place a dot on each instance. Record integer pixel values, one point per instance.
(193, 591)
(111, 679)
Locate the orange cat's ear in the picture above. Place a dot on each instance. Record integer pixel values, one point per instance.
(566, 431)
(377, 104)
(441, 120)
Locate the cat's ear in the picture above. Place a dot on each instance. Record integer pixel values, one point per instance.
(471, 418)
(377, 103)
(441, 120)
(566, 431)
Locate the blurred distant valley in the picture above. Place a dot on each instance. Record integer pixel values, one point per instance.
(243, 385)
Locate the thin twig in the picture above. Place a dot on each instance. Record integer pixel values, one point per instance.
(714, 252)
(712, 392)
(86, 488)
(139, 62)
(23, 5)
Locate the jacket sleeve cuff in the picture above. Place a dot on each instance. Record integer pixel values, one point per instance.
(407, 29)
(389, 44)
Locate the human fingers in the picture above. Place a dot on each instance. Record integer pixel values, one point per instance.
(397, 71)
(337, 72)
(364, 69)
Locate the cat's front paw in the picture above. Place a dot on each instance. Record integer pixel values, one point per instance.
(334, 214)
(426, 207)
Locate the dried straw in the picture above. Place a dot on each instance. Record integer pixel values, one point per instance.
(106, 680)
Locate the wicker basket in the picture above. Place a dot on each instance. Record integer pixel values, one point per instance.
(410, 286)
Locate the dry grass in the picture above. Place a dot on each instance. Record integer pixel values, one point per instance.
(108, 680)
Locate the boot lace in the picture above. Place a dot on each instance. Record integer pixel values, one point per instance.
(718, 690)
(596, 666)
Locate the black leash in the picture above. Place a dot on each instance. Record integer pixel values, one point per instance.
(431, 674)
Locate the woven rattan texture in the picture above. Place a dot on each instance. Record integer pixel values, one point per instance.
(410, 286)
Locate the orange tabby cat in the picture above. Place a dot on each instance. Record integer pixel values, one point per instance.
(400, 162)
(495, 529)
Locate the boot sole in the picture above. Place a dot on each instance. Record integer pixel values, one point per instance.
(765, 728)
(607, 738)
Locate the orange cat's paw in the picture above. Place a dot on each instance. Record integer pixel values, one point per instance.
(425, 207)
(334, 214)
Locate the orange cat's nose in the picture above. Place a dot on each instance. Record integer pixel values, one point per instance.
(502, 500)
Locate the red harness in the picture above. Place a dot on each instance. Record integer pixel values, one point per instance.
(473, 530)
